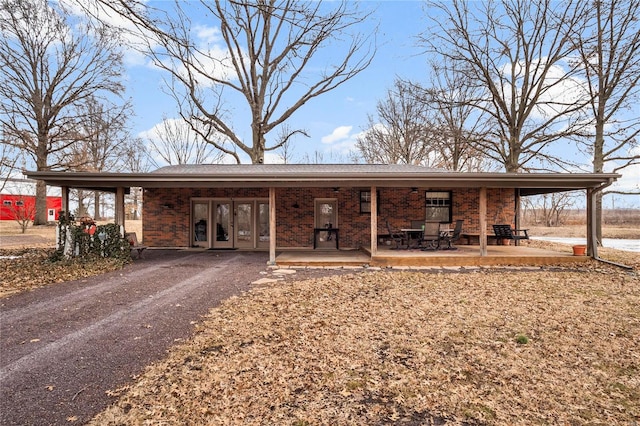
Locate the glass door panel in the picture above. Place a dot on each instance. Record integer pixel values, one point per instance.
(326, 217)
(200, 219)
(263, 224)
(223, 225)
(243, 224)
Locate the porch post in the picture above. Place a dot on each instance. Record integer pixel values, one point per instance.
(272, 226)
(374, 221)
(119, 212)
(592, 235)
(64, 192)
(518, 212)
(482, 212)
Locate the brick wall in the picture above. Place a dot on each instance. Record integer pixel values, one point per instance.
(166, 215)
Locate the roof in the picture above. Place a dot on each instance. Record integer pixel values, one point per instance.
(25, 187)
(323, 175)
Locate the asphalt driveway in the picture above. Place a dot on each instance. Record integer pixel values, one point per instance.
(63, 346)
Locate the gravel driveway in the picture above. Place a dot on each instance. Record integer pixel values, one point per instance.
(63, 346)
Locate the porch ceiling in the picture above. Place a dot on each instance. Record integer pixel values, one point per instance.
(343, 176)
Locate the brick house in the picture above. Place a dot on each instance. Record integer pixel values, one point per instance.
(269, 206)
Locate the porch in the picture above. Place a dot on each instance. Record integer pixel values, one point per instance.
(467, 255)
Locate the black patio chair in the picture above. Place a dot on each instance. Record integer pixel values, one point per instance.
(431, 236)
(396, 236)
(455, 236)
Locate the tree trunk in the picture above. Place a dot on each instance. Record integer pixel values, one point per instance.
(96, 202)
(598, 167)
(257, 151)
(41, 203)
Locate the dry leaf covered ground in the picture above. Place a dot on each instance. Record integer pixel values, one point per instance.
(32, 269)
(504, 346)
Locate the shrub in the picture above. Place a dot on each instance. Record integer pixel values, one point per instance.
(88, 239)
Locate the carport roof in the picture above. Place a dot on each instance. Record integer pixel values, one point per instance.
(323, 175)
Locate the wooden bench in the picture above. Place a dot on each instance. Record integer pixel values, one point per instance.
(506, 232)
(133, 242)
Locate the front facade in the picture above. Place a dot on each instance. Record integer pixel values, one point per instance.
(331, 206)
(221, 218)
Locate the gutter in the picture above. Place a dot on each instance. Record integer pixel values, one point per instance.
(619, 265)
(596, 257)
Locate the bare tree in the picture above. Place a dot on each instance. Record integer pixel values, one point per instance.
(610, 57)
(402, 132)
(136, 161)
(104, 134)
(516, 51)
(460, 125)
(23, 211)
(264, 58)
(285, 142)
(48, 68)
(8, 160)
(174, 142)
(549, 209)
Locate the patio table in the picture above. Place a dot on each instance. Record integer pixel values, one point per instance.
(413, 234)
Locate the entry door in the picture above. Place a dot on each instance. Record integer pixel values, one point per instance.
(326, 217)
(243, 224)
(222, 225)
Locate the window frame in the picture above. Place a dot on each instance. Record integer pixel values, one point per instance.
(365, 204)
(440, 204)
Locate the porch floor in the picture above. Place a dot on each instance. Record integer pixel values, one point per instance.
(465, 255)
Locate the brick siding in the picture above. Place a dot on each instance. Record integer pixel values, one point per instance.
(166, 212)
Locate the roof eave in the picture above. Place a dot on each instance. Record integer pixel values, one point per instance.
(109, 181)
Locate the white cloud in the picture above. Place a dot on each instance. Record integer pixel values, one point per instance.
(206, 34)
(339, 134)
(561, 94)
(630, 180)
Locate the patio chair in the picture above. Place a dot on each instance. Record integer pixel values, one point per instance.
(451, 238)
(431, 236)
(396, 236)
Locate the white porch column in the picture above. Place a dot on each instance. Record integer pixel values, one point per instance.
(482, 210)
(374, 221)
(272, 226)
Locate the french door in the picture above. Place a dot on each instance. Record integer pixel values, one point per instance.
(242, 224)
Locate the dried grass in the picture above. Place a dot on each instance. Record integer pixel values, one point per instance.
(407, 348)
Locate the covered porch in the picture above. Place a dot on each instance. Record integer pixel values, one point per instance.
(465, 255)
(360, 200)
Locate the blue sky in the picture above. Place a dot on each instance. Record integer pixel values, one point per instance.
(332, 120)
